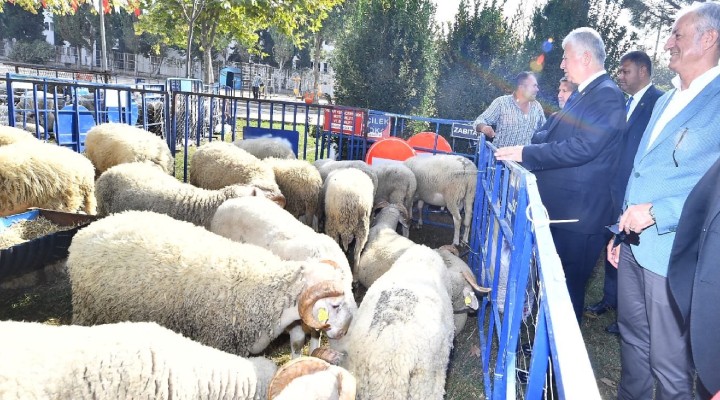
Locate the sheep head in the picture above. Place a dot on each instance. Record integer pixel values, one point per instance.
(324, 304)
(344, 383)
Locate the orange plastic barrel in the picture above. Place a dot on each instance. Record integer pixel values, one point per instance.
(426, 140)
(389, 150)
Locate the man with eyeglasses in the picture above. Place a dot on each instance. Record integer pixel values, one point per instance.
(678, 146)
(515, 116)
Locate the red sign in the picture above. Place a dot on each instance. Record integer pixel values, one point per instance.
(348, 121)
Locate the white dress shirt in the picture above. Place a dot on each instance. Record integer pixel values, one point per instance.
(636, 100)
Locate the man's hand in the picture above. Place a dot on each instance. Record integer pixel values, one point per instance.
(510, 153)
(613, 253)
(487, 130)
(636, 218)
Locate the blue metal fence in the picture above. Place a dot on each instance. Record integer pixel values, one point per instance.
(531, 344)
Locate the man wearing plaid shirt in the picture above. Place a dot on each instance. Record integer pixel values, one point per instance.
(516, 116)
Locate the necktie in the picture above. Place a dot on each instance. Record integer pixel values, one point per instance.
(627, 105)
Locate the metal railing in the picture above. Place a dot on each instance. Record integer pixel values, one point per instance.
(531, 343)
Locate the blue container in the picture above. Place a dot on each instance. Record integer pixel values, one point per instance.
(230, 77)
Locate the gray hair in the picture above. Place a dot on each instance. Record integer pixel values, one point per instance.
(707, 16)
(587, 39)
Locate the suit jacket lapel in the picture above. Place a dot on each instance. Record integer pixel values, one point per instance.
(641, 105)
(578, 98)
(710, 91)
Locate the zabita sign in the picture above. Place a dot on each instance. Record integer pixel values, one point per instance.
(464, 131)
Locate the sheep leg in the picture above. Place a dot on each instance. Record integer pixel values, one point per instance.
(297, 340)
(314, 340)
(420, 205)
(455, 212)
(469, 203)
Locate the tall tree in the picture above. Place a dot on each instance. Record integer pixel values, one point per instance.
(385, 58)
(18, 23)
(283, 48)
(550, 24)
(477, 60)
(617, 37)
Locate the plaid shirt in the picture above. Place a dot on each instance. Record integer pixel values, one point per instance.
(513, 127)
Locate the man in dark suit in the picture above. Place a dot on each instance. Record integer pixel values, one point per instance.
(634, 78)
(572, 166)
(694, 278)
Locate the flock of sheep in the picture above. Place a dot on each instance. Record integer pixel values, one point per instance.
(179, 283)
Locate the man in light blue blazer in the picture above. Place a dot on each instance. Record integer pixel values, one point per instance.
(681, 142)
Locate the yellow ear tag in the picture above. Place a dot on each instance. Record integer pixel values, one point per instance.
(323, 315)
(468, 300)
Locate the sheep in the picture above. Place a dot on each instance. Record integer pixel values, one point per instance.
(262, 223)
(348, 204)
(10, 135)
(385, 246)
(143, 186)
(327, 165)
(398, 345)
(144, 266)
(311, 378)
(218, 164)
(396, 185)
(446, 180)
(266, 147)
(37, 174)
(110, 144)
(123, 360)
(301, 184)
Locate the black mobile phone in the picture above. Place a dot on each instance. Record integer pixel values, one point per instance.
(620, 236)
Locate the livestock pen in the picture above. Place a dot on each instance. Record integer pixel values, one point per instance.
(530, 345)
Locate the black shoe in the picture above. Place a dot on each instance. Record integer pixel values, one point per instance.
(598, 308)
(613, 328)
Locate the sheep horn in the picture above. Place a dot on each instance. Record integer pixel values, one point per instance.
(279, 199)
(471, 280)
(347, 385)
(331, 262)
(293, 369)
(311, 295)
(451, 248)
(381, 204)
(332, 356)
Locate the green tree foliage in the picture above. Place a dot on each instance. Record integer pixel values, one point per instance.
(79, 29)
(17, 23)
(282, 49)
(550, 24)
(35, 52)
(385, 58)
(477, 60)
(618, 38)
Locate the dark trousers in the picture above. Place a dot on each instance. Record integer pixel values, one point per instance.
(256, 92)
(610, 291)
(579, 254)
(654, 350)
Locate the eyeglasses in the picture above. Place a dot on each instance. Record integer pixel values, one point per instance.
(682, 136)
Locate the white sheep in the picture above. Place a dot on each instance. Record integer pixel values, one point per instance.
(446, 180)
(37, 174)
(396, 185)
(348, 204)
(10, 135)
(110, 144)
(328, 165)
(266, 147)
(218, 164)
(263, 223)
(122, 361)
(301, 185)
(385, 246)
(398, 345)
(143, 266)
(311, 378)
(144, 187)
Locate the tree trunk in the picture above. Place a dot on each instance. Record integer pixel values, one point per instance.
(188, 55)
(316, 63)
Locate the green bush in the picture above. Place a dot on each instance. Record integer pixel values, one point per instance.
(36, 52)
